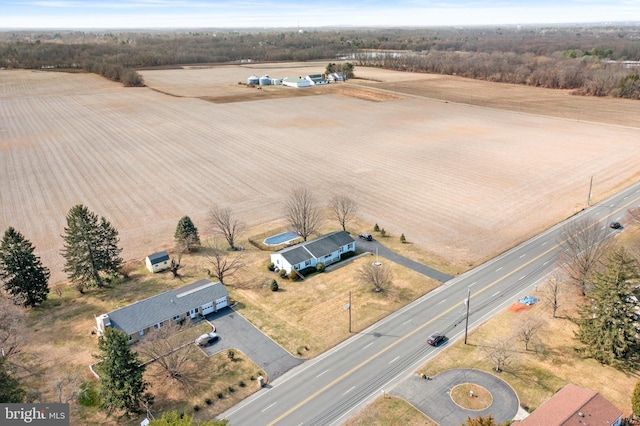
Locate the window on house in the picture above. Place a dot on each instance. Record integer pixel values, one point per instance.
(307, 263)
(176, 318)
(341, 250)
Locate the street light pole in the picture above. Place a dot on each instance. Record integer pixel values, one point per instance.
(348, 308)
(466, 324)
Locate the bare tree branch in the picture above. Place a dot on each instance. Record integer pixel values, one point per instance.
(227, 224)
(301, 211)
(528, 327)
(223, 263)
(344, 209)
(584, 244)
(551, 293)
(69, 384)
(13, 328)
(499, 351)
(379, 276)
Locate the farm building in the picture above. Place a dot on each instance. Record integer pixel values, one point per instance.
(316, 79)
(194, 300)
(573, 405)
(326, 249)
(253, 79)
(157, 262)
(296, 82)
(265, 80)
(336, 76)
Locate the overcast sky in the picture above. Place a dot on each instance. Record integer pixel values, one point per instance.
(87, 14)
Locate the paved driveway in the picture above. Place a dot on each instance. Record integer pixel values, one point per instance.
(432, 396)
(371, 246)
(238, 333)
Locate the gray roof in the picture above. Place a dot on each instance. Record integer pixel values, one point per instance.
(158, 257)
(317, 248)
(156, 309)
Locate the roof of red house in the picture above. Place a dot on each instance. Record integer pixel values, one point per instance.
(573, 405)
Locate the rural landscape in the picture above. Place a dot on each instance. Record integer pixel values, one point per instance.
(463, 169)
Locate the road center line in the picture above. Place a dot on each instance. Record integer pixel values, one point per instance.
(498, 269)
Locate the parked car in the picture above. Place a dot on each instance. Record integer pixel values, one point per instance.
(205, 339)
(436, 338)
(615, 225)
(366, 236)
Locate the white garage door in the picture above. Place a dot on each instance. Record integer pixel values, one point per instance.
(221, 303)
(207, 308)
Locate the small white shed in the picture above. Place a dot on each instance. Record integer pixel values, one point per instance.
(157, 262)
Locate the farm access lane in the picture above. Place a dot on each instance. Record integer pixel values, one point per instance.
(335, 385)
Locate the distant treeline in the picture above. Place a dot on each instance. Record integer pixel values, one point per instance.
(587, 59)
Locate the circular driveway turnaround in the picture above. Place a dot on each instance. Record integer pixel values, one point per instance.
(237, 333)
(433, 399)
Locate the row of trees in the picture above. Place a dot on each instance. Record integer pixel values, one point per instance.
(565, 58)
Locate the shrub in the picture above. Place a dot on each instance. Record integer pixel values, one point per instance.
(196, 408)
(88, 396)
(274, 285)
(320, 267)
(220, 395)
(241, 384)
(271, 266)
(403, 239)
(208, 401)
(231, 389)
(383, 232)
(347, 255)
(293, 275)
(282, 273)
(376, 228)
(231, 354)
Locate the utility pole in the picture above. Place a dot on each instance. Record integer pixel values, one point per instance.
(348, 308)
(589, 196)
(466, 324)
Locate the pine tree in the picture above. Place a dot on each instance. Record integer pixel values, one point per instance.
(11, 391)
(186, 233)
(635, 400)
(24, 277)
(606, 320)
(91, 248)
(121, 374)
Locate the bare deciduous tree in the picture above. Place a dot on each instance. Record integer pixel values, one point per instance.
(227, 224)
(67, 387)
(175, 264)
(584, 244)
(499, 351)
(551, 292)
(379, 276)
(223, 263)
(528, 327)
(163, 349)
(344, 209)
(13, 328)
(303, 214)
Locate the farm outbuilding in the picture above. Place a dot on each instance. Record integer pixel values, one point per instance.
(157, 262)
(316, 79)
(253, 79)
(191, 301)
(265, 80)
(296, 82)
(326, 249)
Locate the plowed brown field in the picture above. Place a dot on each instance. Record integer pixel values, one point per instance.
(460, 180)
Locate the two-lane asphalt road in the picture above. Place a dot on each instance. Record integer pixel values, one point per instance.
(333, 386)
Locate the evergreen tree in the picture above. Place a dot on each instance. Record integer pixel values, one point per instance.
(90, 248)
(186, 233)
(10, 391)
(635, 400)
(480, 421)
(121, 374)
(606, 320)
(24, 277)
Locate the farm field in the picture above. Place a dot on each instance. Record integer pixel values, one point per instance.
(461, 181)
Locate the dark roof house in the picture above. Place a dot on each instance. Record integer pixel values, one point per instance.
(199, 298)
(326, 249)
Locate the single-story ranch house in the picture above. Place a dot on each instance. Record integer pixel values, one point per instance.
(157, 262)
(197, 299)
(326, 249)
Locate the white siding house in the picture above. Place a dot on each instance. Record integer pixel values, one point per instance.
(157, 262)
(197, 299)
(296, 82)
(326, 249)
